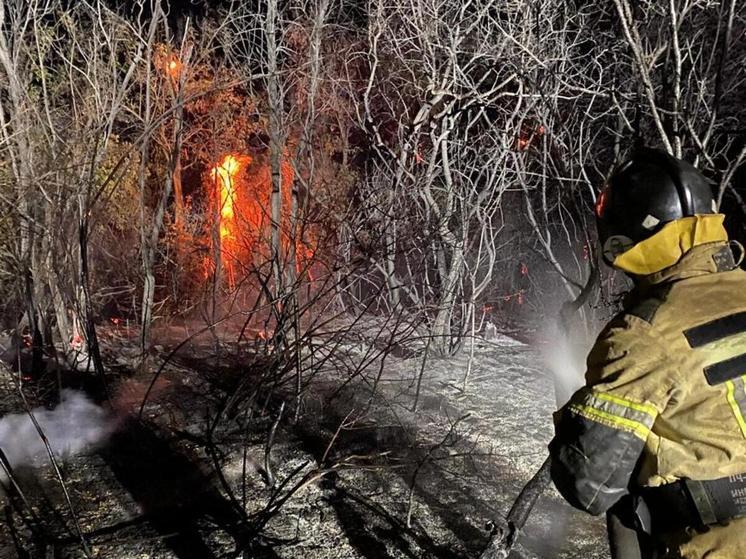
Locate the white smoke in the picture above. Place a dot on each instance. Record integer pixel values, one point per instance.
(75, 425)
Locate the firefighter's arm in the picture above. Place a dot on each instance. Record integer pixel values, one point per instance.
(601, 432)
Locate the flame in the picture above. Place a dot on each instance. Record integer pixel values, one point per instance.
(241, 191)
(528, 135)
(224, 175)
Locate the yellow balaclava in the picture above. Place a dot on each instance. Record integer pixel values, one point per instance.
(668, 245)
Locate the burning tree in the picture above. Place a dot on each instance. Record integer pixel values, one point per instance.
(224, 176)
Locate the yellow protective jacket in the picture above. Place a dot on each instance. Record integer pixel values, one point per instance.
(665, 397)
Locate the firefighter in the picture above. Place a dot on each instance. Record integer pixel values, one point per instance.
(657, 436)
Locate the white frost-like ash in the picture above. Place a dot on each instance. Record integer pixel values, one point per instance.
(75, 425)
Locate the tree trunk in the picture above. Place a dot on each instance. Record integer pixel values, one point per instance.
(21, 159)
(442, 325)
(276, 143)
(151, 242)
(178, 198)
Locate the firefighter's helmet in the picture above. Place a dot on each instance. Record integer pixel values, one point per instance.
(649, 190)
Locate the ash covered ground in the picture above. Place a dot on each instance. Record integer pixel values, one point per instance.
(357, 474)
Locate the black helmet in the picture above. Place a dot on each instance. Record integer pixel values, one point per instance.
(644, 193)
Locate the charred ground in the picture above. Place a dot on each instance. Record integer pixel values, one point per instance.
(363, 475)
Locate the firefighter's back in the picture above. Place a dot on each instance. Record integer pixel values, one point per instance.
(700, 434)
(702, 430)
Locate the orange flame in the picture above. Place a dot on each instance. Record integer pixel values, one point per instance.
(242, 193)
(225, 177)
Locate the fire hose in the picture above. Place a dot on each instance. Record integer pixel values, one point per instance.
(504, 537)
(623, 541)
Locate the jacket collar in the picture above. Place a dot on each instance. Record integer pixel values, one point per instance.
(700, 260)
(668, 246)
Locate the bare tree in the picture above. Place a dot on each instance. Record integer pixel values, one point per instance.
(59, 147)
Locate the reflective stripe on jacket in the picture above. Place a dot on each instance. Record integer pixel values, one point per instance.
(664, 396)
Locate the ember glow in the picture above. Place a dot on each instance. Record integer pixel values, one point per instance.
(173, 67)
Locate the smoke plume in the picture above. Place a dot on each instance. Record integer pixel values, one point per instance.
(74, 426)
